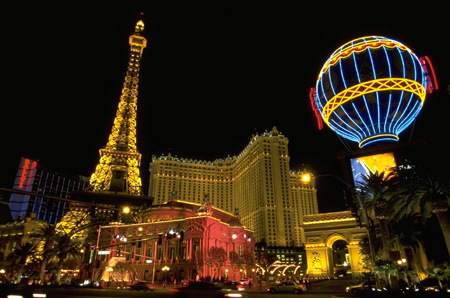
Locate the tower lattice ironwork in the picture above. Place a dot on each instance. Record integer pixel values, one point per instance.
(118, 169)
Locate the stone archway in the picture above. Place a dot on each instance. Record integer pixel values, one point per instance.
(322, 231)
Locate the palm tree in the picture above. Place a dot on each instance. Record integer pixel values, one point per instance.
(376, 190)
(424, 192)
(45, 235)
(388, 269)
(409, 233)
(20, 256)
(64, 247)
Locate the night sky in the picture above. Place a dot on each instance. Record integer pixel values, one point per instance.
(211, 76)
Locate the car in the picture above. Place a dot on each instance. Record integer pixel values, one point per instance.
(206, 289)
(142, 286)
(286, 287)
(24, 291)
(245, 281)
(232, 285)
(432, 285)
(364, 287)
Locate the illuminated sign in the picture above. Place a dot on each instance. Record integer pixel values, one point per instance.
(371, 89)
(362, 166)
(103, 252)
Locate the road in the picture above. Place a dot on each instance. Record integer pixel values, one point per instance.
(159, 293)
(327, 289)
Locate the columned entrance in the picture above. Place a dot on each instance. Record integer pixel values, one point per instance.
(332, 244)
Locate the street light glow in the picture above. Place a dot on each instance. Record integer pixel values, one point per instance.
(306, 178)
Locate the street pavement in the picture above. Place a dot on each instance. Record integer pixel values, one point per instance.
(318, 286)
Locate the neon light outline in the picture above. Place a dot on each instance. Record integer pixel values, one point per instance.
(371, 87)
(373, 138)
(312, 100)
(350, 48)
(370, 114)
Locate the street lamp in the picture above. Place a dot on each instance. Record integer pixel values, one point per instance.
(164, 270)
(126, 210)
(401, 262)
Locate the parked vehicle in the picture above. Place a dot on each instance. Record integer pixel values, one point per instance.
(286, 287)
(232, 285)
(24, 291)
(245, 281)
(206, 289)
(364, 287)
(432, 284)
(142, 286)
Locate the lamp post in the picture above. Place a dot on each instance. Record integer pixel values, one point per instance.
(164, 270)
(154, 261)
(95, 253)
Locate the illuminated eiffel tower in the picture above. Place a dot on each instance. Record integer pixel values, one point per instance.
(118, 169)
(116, 182)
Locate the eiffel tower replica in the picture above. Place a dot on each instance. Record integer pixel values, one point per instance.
(116, 181)
(118, 169)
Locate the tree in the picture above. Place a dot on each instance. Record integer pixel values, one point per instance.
(375, 192)
(45, 235)
(64, 247)
(388, 269)
(235, 262)
(424, 192)
(263, 260)
(365, 255)
(20, 255)
(441, 273)
(215, 258)
(122, 269)
(408, 231)
(248, 260)
(199, 262)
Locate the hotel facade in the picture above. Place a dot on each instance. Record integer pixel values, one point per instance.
(258, 184)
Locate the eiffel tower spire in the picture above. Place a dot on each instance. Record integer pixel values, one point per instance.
(118, 169)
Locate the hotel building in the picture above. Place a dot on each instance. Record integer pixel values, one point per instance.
(258, 184)
(37, 190)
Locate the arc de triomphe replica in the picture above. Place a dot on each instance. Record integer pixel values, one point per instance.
(321, 233)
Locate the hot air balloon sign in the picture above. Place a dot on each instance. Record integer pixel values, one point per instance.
(371, 89)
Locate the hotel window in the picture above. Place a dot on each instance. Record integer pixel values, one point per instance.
(183, 253)
(160, 253)
(149, 252)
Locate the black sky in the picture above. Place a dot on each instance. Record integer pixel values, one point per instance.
(211, 77)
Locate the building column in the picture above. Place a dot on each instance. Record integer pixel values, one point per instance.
(354, 252)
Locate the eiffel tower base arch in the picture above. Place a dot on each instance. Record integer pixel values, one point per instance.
(321, 233)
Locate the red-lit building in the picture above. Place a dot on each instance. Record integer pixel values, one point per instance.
(179, 240)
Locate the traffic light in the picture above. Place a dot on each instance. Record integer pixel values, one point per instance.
(171, 234)
(356, 213)
(358, 221)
